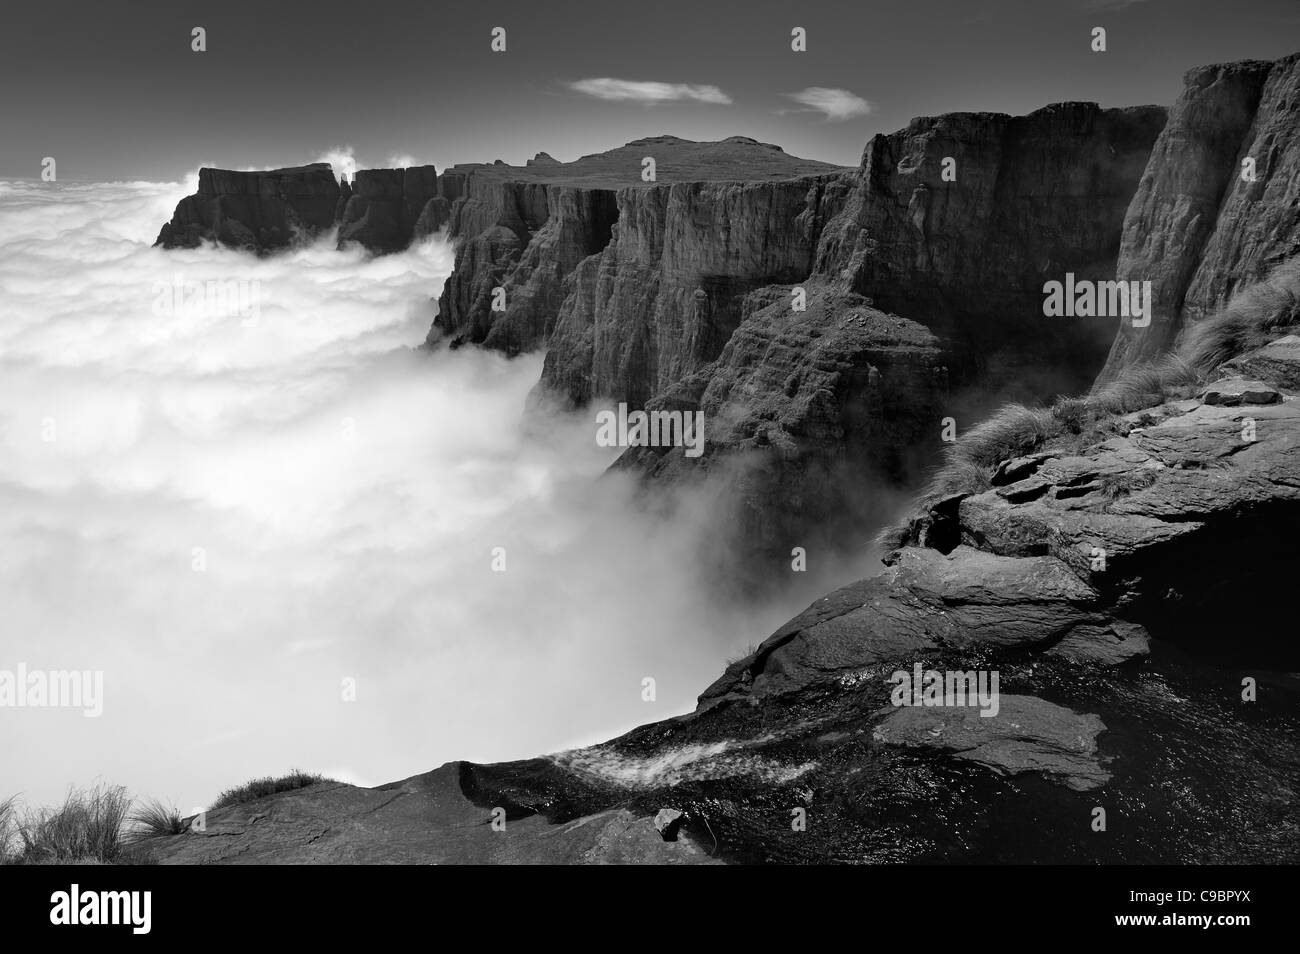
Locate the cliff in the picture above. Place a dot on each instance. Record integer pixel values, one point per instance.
(664, 263)
(1030, 199)
(255, 210)
(923, 300)
(382, 209)
(1202, 224)
(389, 208)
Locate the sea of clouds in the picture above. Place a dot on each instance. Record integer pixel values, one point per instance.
(345, 491)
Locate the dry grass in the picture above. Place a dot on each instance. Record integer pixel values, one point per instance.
(154, 817)
(1252, 319)
(1249, 321)
(261, 787)
(8, 828)
(86, 828)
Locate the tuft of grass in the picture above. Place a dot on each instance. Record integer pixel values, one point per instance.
(1254, 317)
(1115, 486)
(87, 827)
(261, 787)
(1011, 431)
(1073, 413)
(961, 476)
(153, 817)
(1249, 321)
(8, 827)
(749, 651)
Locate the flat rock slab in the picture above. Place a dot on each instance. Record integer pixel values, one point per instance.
(1235, 391)
(1028, 734)
(1278, 361)
(425, 819)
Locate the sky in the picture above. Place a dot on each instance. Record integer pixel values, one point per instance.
(114, 90)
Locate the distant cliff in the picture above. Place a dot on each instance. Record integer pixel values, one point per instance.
(254, 210)
(383, 209)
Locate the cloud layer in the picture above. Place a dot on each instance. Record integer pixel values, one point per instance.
(346, 494)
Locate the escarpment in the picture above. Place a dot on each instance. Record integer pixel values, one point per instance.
(924, 284)
(1219, 202)
(957, 221)
(255, 210)
(388, 208)
(383, 210)
(664, 263)
(820, 318)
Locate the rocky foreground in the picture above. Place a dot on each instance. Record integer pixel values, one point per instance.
(1121, 688)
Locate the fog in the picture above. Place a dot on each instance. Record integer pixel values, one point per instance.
(232, 511)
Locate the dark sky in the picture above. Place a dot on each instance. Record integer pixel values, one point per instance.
(112, 90)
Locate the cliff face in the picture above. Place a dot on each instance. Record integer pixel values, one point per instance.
(256, 210)
(383, 209)
(1197, 228)
(809, 416)
(524, 238)
(672, 258)
(917, 289)
(921, 277)
(387, 204)
(1030, 199)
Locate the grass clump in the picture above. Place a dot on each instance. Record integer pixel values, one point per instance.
(1251, 320)
(1011, 431)
(261, 787)
(154, 817)
(8, 828)
(1115, 486)
(1254, 317)
(87, 827)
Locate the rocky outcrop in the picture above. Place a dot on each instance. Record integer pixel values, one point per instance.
(261, 211)
(805, 413)
(1219, 202)
(426, 819)
(387, 205)
(917, 289)
(383, 210)
(664, 263)
(1025, 199)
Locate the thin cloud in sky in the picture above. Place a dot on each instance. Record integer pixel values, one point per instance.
(835, 104)
(617, 90)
